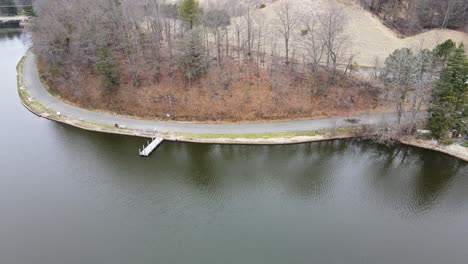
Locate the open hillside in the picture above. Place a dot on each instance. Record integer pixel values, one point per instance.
(368, 36)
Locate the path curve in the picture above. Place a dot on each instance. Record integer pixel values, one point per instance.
(37, 91)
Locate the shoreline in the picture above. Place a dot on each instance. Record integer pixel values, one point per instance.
(454, 150)
(280, 138)
(41, 111)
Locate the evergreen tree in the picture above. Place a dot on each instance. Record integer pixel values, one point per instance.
(189, 10)
(192, 57)
(443, 51)
(450, 102)
(105, 66)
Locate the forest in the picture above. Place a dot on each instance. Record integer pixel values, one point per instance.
(223, 61)
(413, 16)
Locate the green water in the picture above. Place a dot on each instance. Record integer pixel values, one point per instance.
(71, 196)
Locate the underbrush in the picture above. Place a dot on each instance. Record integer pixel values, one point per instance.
(387, 133)
(249, 96)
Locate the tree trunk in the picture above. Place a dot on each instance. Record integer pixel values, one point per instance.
(447, 14)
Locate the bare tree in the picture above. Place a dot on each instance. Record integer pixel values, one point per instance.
(217, 20)
(261, 30)
(249, 30)
(313, 44)
(454, 12)
(400, 74)
(132, 49)
(238, 27)
(170, 14)
(287, 23)
(349, 66)
(424, 84)
(376, 67)
(332, 29)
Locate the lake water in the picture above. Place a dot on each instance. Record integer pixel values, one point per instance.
(69, 196)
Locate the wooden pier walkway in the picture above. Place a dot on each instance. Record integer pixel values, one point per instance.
(155, 142)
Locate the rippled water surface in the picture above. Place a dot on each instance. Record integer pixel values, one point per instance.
(70, 196)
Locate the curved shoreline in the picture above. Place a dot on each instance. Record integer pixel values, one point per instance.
(272, 133)
(454, 150)
(283, 132)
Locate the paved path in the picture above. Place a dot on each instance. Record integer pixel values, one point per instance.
(40, 94)
(13, 18)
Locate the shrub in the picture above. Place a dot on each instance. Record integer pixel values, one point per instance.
(446, 141)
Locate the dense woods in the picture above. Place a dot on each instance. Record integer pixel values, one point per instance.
(412, 16)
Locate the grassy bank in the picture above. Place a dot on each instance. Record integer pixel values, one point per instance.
(309, 133)
(259, 138)
(33, 105)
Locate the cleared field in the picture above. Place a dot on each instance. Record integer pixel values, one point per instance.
(369, 37)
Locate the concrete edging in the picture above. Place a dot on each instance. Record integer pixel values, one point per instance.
(171, 137)
(193, 137)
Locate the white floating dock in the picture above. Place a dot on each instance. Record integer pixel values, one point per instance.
(151, 147)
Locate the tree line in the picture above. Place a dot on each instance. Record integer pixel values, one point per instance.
(435, 78)
(411, 16)
(144, 35)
